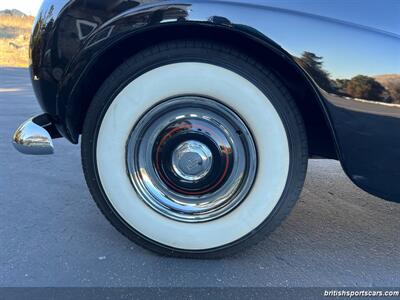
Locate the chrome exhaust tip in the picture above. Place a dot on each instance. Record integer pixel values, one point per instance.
(31, 138)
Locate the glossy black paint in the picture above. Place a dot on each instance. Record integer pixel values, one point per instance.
(70, 38)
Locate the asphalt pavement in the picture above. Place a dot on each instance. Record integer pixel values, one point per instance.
(52, 234)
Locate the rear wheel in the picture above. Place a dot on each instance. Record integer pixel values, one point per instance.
(192, 149)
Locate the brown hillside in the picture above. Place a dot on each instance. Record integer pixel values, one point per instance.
(14, 40)
(391, 82)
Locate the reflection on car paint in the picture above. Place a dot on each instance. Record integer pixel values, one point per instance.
(351, 52)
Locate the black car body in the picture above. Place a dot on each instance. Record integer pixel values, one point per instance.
(340, 60)
(76, 43)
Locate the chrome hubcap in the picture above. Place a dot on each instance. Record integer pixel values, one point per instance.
(191, 159)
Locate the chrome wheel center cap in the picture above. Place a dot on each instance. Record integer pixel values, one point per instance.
(192, 160)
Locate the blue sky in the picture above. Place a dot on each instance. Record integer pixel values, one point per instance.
(348, 34)
(29, 7)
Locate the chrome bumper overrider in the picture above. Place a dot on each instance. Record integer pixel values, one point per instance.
(31, 137)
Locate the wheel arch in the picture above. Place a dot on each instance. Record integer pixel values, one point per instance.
(319, 130)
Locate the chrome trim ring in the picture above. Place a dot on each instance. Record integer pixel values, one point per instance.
(191, 159)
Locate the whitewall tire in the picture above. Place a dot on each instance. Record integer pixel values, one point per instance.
(201, 197)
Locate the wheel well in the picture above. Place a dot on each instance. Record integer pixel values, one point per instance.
(320, 140)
